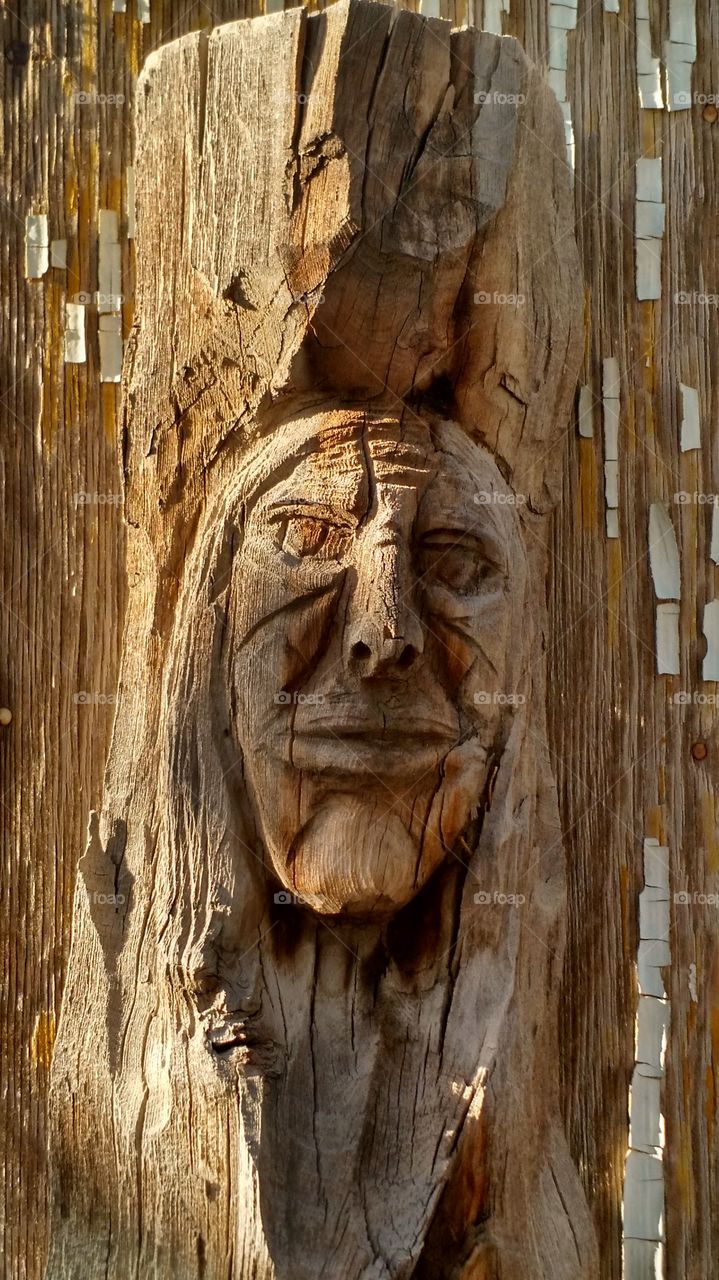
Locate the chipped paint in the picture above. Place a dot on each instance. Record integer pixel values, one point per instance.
(649, 216)
(649, 70)
(58, 254)
(664, 554)
(690, 435)
(643, 1199)
(585, 412)
(710, 628)
(75, 350)
(562, 20)
(667, 639)
(37, 245)
(610, 423)
(714, 545)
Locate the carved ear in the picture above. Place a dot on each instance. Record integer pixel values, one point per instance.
(349, 242)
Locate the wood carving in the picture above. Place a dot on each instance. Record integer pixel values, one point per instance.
(310, 1023)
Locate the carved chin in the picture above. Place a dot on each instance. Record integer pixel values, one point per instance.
(351, 860)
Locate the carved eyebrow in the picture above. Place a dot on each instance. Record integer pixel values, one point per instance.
(486, 540)
(312, 510)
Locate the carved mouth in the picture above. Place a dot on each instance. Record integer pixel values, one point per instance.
(405, 732)
(408, 751)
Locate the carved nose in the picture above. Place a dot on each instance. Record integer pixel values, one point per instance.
(384, 634)
(375, 655)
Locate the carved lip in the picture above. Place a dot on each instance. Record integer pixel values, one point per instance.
(403, 750)
(394, 730)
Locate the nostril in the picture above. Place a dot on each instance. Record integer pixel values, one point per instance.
(360, 650)
(407, 656)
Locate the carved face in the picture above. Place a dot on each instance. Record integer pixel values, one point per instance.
(372, 603)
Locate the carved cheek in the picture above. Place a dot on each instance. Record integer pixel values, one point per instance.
(279, 625)
(469, 635)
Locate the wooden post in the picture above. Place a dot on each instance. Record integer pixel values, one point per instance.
(318, 928)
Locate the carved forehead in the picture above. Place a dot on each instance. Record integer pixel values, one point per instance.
(344, 454)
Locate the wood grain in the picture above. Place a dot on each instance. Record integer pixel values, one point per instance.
(623, 756)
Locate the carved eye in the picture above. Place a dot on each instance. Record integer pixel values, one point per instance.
(307, 536)
(458, 560)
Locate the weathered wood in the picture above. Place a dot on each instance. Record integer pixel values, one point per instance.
(630, 760)
(328, 862)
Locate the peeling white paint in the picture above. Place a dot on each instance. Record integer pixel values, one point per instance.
(562, 17)
(693, 983)
(682, 22)
(58, 254)
(611, 6)
(649, 270)
(558, 48)
(643, 1200)
(119, 6)
(710, 627)
(652, 1030)
(569, 135)
(714, 547)
(110, 337)
(611, 378)
(75, 352)
(678, 62)
(610, 428)
(143, 11)
(656, 864)
(668, 639)
(649, 218)
(649, 215)
(649, 180)
(562, 20)
(611, 483)
(109, 265)
(429, 8)
(37, 245)
(690, 435)
(664, 554)
(585, 412)
(649, 68)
